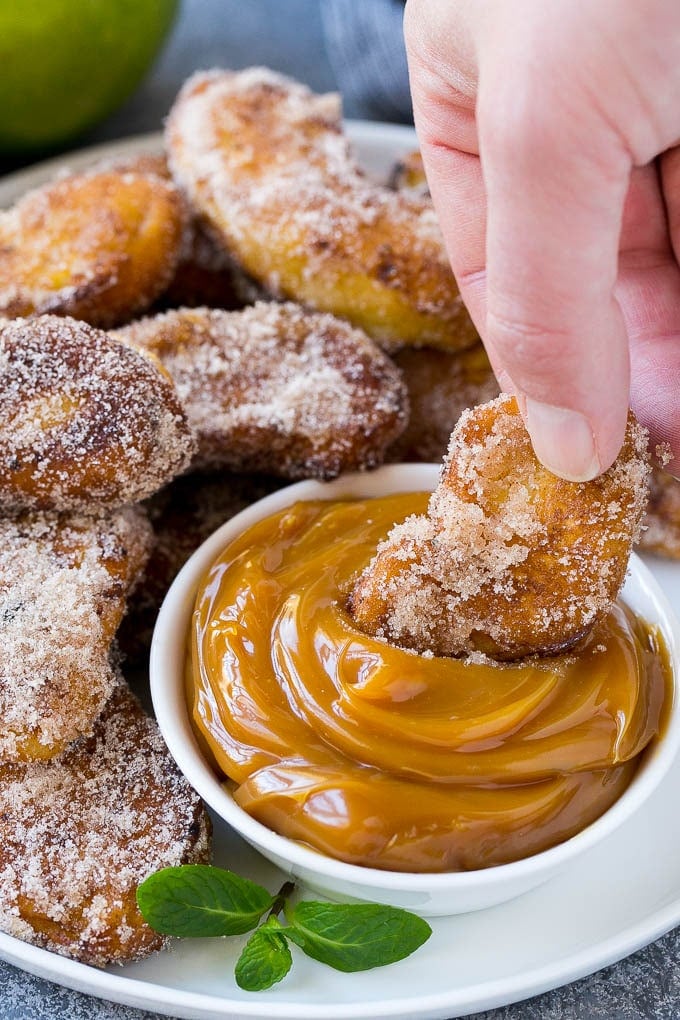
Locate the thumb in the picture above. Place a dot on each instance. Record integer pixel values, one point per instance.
(555, 182)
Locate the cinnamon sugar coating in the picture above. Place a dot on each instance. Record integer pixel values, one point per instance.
(99, 245)
(264, 161)
(64, 580)
(206, 274)
(661, 532)
(441, 385)
(150, 163)
(277, 389)
(80, 832)
(85, 421)
(509, 560)
(182, 515)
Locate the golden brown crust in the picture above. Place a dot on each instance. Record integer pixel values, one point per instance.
(79, 833)
(264, 161)
(510, 560)
(661, 531)
(100, 246)
(85, 422)
(206, 274)
(64, 580)
(441, 385)
(278, 389)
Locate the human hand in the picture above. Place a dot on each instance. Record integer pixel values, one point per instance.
(540, 126)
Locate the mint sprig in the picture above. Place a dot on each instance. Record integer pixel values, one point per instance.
(355, 936)
(265, 958)
(198, 901)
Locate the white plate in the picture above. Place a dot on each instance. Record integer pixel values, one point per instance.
(619, 897)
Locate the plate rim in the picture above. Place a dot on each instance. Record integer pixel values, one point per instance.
(481, 996)
(116, 987)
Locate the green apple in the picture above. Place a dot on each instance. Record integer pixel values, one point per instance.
(66, 64)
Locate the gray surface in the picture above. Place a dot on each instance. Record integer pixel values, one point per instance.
(287, 35)
(366, 50)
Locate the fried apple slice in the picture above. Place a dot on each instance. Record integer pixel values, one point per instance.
(85, 422)
(79, 833)
(64, 580)
(277, 389)
(509, 560)
(264, 162)
(206, 274)
(100, 246)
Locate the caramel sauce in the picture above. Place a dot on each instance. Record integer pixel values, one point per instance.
(381, 757)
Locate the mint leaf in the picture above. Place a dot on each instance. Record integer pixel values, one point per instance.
(355, 936)
(198, 901)
(265, 958)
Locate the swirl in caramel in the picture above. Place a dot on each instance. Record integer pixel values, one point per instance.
(381, 757)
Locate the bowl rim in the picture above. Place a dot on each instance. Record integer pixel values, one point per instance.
(167, 692)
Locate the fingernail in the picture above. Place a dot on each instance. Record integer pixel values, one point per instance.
(563, 441)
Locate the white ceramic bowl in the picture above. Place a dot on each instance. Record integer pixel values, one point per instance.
(427, 894)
